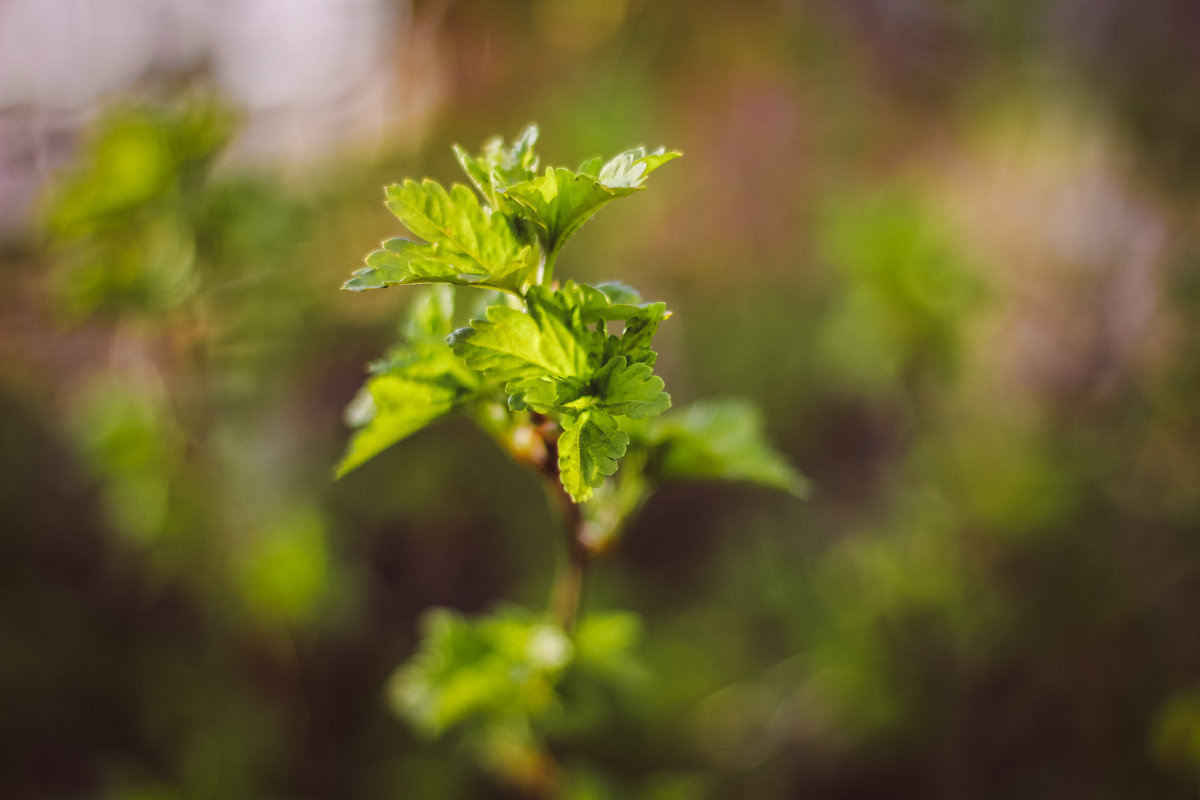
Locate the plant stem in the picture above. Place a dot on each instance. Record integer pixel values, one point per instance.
(546, 269)
(567, 590)
(536, 446)
(568, 585)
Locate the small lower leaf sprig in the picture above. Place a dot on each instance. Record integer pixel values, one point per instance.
(559, 374)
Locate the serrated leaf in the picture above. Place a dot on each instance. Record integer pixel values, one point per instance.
(551, 359)
(560, 201)
(546, 395)
(640, 328)
(629, 169)
(511, 345)
(402, 262)
(498, 165)
(601, 303)
(630, 390)
(544, 357)
(722, 441)
(476, 171)
(464, 238)
(588, 449)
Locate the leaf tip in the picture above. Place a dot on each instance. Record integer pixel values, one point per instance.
(460, 335)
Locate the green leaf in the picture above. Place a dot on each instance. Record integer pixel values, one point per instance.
(551, 360)
(547, 395)
(431, 316)
(467, 243)
(481, 672)
(591, 167)
(723, 441)
(404, 263)
(429, 360)
(629, 169)
(602, 303)
(391, 408)
(618, 292)
(416, 384)
(512, 345)
(548, 342)
(588, 450)
(560, 201)
(631, 390)
(640, 328)
(401, 262)
(497, 165)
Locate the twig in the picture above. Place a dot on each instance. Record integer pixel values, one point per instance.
(540, 452)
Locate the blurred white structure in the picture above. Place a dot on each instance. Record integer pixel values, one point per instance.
(313, 77)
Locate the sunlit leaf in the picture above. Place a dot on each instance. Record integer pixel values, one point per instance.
(560, 201)
(640, 328)
(402, 262)
(416, 384)
(512, 345)
(500, 166)
(588, 451)
(631, 390)
(465, 243)
(391, 408)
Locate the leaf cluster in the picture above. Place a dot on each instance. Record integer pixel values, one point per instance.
(534, 354)
(540, 349)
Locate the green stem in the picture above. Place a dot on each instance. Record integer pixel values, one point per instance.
(546, 269)
(568, 585)
(567, 589)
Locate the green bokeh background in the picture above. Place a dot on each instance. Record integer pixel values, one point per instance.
(950, 249)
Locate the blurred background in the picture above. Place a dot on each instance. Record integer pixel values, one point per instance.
(950, 248)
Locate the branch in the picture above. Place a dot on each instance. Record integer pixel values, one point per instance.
(536, 447)
(568, 585)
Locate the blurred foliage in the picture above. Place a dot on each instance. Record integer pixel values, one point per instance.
(508, 680)
(949, 249)
(125, 218)
(908, 293)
